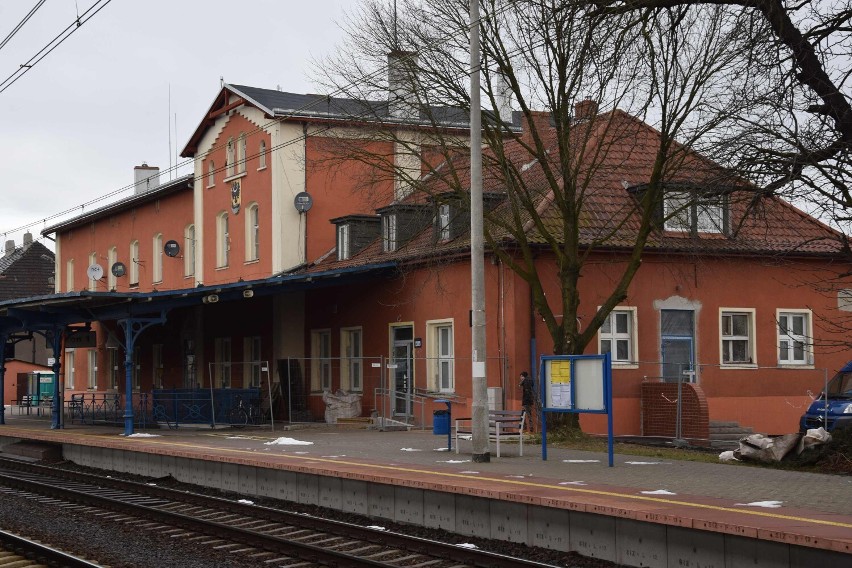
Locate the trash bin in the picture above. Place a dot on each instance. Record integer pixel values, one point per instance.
(441, 422)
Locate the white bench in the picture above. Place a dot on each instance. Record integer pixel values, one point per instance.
(503, 425)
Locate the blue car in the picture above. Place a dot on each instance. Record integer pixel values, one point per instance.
(832, 410)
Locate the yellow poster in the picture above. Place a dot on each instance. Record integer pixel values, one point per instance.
(560, 383)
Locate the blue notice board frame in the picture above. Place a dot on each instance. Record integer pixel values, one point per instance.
(576, 384)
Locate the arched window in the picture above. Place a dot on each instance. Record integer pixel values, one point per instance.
(69, 275)
(133, 265)
(112, 258)
(241, 153)
(157, 272)
(189, 250)
(223, 240)
(229, 158)
(93, 284)
(211, 174)
(262, 156)
(252, 233)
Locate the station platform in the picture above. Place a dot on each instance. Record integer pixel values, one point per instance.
(641, 512)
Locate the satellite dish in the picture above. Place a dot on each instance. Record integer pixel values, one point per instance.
(118, 269)
(303, 202)
(95, 271)
(171, 248)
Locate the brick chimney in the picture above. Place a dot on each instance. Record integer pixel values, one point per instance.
(28, 238)
(10, 247)
(585, 109)
(541, 121)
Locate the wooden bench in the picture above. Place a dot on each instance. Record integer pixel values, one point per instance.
(503, 425)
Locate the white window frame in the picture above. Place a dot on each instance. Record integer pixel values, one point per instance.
(157, 365)
(70, 371)
(614, 336)
(222, 362)
(806, 338)
(241, 153)
(133, 269)
(112, 258)
(444, 222)
(261, 156)
(252, 354)
(223, 244)
(211, 173)
(252, 232)
(440, 364)
(343, 241)
(389, 232)
(685, 212)
(189, 251)
(726, 337)
(157, 250)
(352, 359)
(229, 158)
(93, 284)
(92, 359)
(321, 360)
(69, 275)
(114, 363)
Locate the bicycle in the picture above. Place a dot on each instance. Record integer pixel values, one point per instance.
(242, 413)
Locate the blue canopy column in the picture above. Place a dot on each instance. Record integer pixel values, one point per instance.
(8, 338)
(133, 327)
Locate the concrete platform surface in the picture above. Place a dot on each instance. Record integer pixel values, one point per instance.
(796, 508)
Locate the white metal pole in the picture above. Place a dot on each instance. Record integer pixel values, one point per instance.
(479, 387)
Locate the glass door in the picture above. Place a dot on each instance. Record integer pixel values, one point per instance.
(677, 342)
(402, 367)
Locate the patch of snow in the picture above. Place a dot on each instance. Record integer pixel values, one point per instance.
(288, 442)
(582, 461)
(728, 456)
(245, 502)
(143, 435)
(468, 472)
(376, 528)
(466, 545)
(454, 461)
(442, 449)
(516, 476)
(238, 438)
(332, 457)
(302, 453)
(643, 463)
(573, 483)
(152, 484)
(414, 449)
(767, 504)
(658, 492)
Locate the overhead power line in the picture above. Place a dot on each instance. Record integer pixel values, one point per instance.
(21, 23)
(53, 44)
(341, 90)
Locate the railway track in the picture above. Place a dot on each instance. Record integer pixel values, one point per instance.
(270, 536)
(19, 552)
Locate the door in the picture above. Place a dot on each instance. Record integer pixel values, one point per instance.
(677, 345)
(402, 367)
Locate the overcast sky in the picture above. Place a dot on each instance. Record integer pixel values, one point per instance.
(76, 124)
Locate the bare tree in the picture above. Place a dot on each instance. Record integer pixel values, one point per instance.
(575, 178)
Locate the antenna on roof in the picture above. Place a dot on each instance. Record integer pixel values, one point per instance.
(170, 127)
(221, 80)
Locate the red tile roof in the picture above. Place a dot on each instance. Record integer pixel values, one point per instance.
(617, 153)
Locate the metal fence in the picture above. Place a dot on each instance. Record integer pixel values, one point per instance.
(176, 407)
(106, 408)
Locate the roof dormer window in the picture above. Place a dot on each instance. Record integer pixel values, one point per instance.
(389, 236)
(443, 222)
(689, 212)
(343, 242)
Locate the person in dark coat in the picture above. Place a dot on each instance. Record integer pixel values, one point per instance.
(527, 397)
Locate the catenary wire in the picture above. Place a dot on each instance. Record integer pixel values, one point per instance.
(53, 44)
(277, 119)
(21, 23)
